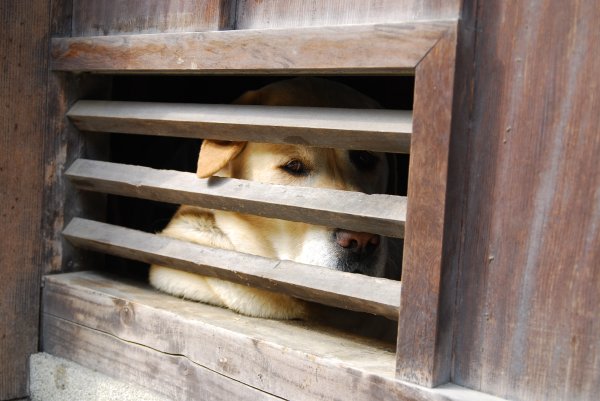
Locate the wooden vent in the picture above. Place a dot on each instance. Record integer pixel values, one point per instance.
(425, 50)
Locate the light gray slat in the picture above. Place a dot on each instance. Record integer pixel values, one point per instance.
(377, 130)
(378, 214)
(312, 283)
(356, 49)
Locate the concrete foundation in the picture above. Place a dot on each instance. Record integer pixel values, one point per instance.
(57, 379)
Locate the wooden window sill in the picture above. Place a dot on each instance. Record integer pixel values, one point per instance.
(185, 349)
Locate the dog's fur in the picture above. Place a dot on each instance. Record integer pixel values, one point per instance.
(279, 164)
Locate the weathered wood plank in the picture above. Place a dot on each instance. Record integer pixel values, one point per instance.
(171, 375)
(24, 29)
(364, 49)
(313, 283)
(253, 14)
(425, 335)
(292, 359)
(111, 17)
(380, 214)
(377, 130)
(529, 289)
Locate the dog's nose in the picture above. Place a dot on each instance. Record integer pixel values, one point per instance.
(358, 243)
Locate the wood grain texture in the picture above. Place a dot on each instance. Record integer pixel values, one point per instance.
(24, 61)
(292, 359)
(170, 375)
(424, 351)
(377, 130)
(380, 214)
(529, 290)
(111, 17)
(253, 14)
(64, 144)
(312, 283)
(358, 49)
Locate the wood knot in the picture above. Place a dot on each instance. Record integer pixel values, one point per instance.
(126, 311)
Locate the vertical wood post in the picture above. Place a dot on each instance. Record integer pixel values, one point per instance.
(425, 333)
(23, 81)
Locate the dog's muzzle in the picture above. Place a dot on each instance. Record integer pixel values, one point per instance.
(357, 252)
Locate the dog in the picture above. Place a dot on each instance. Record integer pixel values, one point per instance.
(279, 164)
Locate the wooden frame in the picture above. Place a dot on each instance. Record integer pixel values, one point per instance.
(426, 49)
(424, 349)
(359, 49)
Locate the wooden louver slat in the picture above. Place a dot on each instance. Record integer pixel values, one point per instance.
(377, 130)
(379, 214)
(346, 290)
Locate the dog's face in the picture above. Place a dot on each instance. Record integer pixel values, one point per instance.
(300, 166)
(309, 167)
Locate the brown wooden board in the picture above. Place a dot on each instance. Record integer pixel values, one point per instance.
(24, 61)
(171, 375)
(377, 130)
(529, 289)
(290, 359)
(312, 283)
(253, 14)
(376, 213)
(110, 17)
(424, 351)
(359, 49)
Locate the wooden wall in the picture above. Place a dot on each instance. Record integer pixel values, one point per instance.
(287, 13)
(23, 79)
(528, 324)
(109, 17)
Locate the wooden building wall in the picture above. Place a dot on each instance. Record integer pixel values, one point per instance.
(23, 82)
(109, 17)
(526, 324)
(529, 289)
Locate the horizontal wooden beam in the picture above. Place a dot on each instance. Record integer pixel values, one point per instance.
(357, 49)
(379, 214)
(172, 376)
(312, 283)
(376, 130)
(104, 323)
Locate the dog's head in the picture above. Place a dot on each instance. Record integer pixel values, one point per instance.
(310, 167)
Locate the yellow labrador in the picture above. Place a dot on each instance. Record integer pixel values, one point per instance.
(279, 164)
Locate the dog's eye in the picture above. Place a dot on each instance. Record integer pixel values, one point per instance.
(295, 167)
(363, 160)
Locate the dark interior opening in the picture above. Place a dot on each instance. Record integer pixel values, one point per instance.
(181, 154)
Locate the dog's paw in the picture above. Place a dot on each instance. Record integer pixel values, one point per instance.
(256, 302)
(182, 284)
(245, 300)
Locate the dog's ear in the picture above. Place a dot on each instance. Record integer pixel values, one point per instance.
(214, 155)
